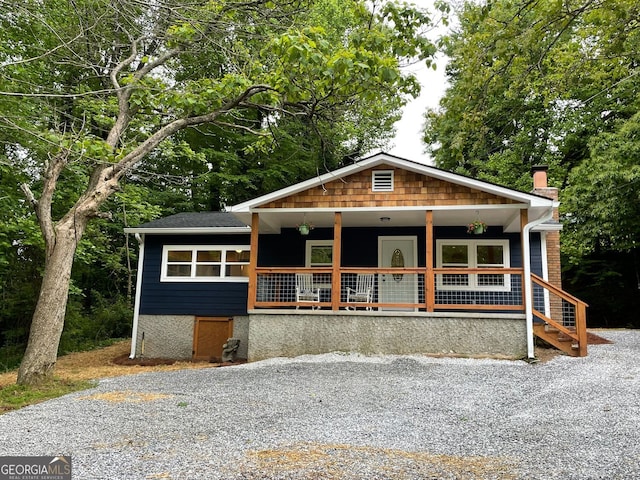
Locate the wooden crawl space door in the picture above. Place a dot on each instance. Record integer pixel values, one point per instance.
(210, 334)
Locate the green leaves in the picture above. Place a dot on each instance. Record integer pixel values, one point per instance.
(553, 83)
(195, 104)
(603, 193)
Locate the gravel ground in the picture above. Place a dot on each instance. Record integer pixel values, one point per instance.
(348, 416)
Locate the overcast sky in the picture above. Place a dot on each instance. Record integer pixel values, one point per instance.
(408, 140)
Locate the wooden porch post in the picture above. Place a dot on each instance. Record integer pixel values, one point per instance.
(335, 275)
(253, 262)
(430, 278)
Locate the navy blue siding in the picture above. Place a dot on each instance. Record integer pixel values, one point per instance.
(536, 254)
(359, 249)
(536, 267)
(189, 298)
(360, 245)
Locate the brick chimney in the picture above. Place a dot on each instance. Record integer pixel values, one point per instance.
(540, 185)
(539, 173)
(542, 188)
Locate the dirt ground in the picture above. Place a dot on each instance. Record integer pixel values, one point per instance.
(113, 361)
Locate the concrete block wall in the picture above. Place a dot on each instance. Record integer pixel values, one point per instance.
(272, 335)
(241, 332)
(265, 336)
(165, 336)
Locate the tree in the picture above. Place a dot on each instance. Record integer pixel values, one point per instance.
(601, 205)
(533, 82)
(92, 89)
(554, 82)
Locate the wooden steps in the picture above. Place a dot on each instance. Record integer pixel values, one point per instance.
(567, 342)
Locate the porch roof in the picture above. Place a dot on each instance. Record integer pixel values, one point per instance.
(193, 222)
(507, 215)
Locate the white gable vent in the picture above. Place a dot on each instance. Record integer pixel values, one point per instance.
(382, 181)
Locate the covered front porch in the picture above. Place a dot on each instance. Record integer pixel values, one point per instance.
(385, 235)
(420, 286)
(389, 260)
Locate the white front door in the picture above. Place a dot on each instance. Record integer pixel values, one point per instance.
(397, 288)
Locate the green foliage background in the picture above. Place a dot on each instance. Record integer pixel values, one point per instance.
(555, 83)
(335, 90)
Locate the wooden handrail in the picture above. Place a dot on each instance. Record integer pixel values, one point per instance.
(266, 270)
(492, 270)
(429, 288)
(559, 292)
(580, 335)
(353, 270)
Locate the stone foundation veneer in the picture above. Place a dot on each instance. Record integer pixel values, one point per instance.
(268, 335)
(241, 332)
(171, 336)
(165, 336)
(396, 333)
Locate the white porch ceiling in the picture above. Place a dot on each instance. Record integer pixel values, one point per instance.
(506, 216)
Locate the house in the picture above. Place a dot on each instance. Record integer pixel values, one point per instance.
(381, 256)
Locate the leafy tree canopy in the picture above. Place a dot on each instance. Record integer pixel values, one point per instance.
(548, 82)
(95, 95)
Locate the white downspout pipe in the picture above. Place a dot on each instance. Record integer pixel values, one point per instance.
(528, 292)
(136, 305)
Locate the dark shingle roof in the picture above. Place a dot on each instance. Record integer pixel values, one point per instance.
(195, 220)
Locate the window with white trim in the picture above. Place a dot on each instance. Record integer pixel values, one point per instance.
(473, 254)
(205, 263)
(319, 253)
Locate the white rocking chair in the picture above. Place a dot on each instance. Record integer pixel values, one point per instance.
(306, 291)
(363, 292)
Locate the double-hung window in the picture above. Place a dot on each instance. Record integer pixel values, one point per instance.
(205, 263)
(473, 254)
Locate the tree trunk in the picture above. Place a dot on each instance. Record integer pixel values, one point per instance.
(48, 319)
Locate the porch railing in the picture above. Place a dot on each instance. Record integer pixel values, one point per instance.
(488, 289)
(559, 318)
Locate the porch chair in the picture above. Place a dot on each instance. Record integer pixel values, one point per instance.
(363, 292)
(305, 290)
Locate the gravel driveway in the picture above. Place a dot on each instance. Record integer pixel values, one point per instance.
(348, 416)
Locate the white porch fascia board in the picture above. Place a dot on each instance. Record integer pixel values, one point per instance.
(417, 208)
(192, 230)
(531, 200)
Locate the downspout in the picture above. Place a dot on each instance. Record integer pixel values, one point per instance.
(528, 292)
(136, 305)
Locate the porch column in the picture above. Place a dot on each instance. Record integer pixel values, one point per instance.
(524, 219)
(430, 278)
(337, 255)
(253, 262)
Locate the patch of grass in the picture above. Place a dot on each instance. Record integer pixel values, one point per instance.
(13, 397)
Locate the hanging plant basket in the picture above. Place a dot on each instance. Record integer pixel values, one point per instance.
(477, 228)
(305, 228)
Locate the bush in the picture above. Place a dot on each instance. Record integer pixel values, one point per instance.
(107, 319)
